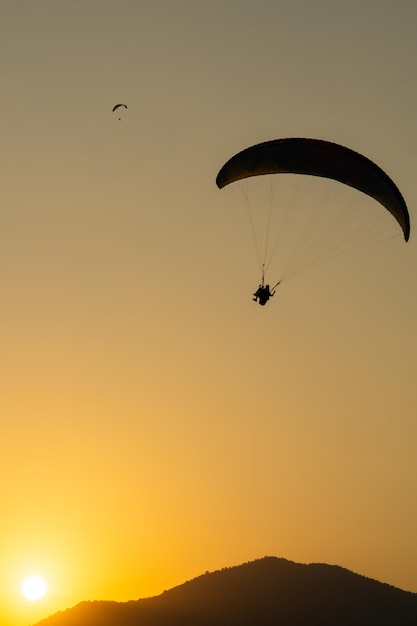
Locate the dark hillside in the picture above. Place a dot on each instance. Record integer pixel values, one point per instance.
(266, 592)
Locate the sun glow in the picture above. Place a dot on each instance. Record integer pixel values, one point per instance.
(34, 587)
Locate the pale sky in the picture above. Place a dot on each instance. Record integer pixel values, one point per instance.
(157, 423)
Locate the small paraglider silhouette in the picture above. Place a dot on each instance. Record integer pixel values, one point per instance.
(116, 106)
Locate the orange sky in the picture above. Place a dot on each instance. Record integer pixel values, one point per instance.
(156, 423)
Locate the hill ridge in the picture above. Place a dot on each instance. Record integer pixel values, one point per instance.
(267, 592)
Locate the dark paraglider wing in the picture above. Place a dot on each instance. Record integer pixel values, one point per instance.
(316, 157)
(116, 106)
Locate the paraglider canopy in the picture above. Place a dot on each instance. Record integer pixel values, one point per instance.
(316, 157)
(117, 106)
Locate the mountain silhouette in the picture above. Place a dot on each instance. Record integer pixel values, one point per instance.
(267, 592)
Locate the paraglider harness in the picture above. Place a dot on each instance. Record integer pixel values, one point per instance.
(263, 293)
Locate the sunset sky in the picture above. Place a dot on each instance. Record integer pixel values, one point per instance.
(155, 422)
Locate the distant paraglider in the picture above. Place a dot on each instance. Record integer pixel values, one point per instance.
(117, 106)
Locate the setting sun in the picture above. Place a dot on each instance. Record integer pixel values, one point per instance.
(34, 588)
